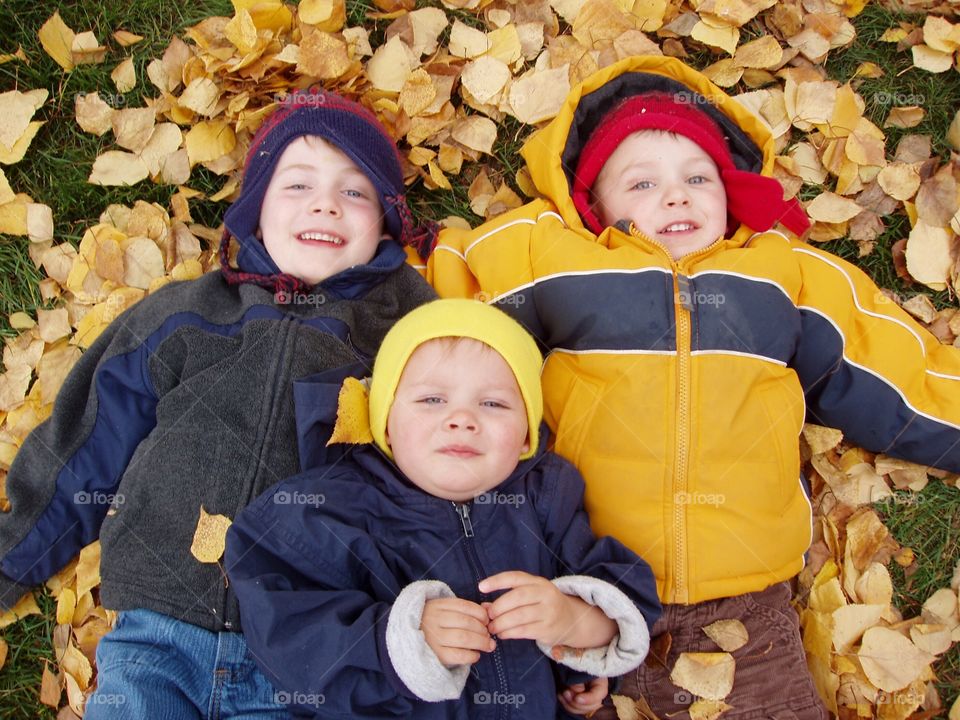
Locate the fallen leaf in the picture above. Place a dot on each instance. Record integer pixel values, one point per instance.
(93, 115)
(124, 76)
(118, 168)
(475, 132)
(707, 709)
(49, 688)
(829, 207)
(706, 675)
(928, 255)
(729, 635)
(57, 40)
(891, 661)
(209, 539)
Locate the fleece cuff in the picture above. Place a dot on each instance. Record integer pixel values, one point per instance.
(627, 649)
(414, 661)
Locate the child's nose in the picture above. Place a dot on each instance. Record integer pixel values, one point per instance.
(324, 201)
(461, 420)
(676, 194)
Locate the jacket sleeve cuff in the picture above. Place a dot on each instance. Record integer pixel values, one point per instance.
(414, 661)
(10, 592)
(627, 649)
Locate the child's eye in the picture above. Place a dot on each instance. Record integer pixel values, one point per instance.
(493, 404)
(431, 400)
(698, 179)
(297, 186)
(350, 192)
(642, 185)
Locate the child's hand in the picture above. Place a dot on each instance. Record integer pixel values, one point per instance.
(535, 609)
(456, 630)
(583, 699)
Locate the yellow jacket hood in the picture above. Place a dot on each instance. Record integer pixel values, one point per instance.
(552, 152)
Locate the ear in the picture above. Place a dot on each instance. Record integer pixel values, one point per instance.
(526, 445)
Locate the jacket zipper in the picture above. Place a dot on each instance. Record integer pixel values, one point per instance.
(683, 306)
(463, 511)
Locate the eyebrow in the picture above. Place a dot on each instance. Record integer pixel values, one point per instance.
(311, 167)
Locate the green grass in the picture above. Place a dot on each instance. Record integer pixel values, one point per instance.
(30, 645)
(929, 523)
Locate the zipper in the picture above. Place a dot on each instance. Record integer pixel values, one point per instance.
(683, 307)
(463, 512)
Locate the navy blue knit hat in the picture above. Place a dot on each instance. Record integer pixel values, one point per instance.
(351, 128)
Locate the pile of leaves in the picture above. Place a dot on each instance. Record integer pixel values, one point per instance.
(446, 81)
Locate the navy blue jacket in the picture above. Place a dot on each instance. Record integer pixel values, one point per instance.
(318, 561)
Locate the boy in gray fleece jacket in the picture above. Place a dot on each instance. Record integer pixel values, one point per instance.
(186, 401)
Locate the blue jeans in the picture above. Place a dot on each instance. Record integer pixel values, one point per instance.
(153, 666)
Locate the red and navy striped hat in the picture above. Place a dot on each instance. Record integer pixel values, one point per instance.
(350, 127)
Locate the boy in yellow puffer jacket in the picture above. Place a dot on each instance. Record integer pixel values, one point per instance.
(687, 340)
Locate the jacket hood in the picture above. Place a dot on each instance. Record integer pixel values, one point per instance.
(552, 152)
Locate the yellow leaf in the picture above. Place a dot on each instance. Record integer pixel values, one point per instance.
(241, 31)
(86, 49)
(39, 223)
(133, 127)
(899, 180)
(928, 254)
(953, 133)
(66, 604)
(832, 208)
(764, 52)
(889, 660)
(118, 168)
(143, 263)
(729, 635)
(209, 140)
(467, 42)
(16, 112)
(326, 15)
(88, 568)
(707, 709)
(391, 65)
(27, 605)
(418, 93)
(353, 414)
(124, 76)
(725, 38)
(210, 537)
(505, 44)
(53, 324)
(201, 96)
(324, 56)
(3, 652)
(164, 141)
(92, 113)
(934, 639)
(126, 39)
(539, 96)
(905, 117)
(426, 25)
(926, 58)
(57, 40)
(19, 149)
(706, 675)
(874, 586)
(6, 192)
(437, 176)
(484, 78)
(475, 132)
(850, 622)
(53, 368)
(13, 218)
(939, 34)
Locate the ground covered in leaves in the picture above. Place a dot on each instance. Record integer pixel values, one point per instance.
(122, 134)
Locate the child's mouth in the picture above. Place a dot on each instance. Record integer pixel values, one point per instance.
(678, 227)
(320, 237)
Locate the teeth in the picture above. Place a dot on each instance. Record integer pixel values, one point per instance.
(321, 237)
(678, 227)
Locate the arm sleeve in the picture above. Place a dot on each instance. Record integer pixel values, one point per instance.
(66, 472)
(602, 572)
(870, 370)
(323, 616)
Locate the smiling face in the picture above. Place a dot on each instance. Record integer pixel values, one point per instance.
(668, 187)
(320, 213)
(458, 424)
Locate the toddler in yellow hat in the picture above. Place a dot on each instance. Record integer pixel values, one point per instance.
(448, 564)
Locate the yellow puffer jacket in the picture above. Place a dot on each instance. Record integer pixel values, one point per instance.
(679, 388)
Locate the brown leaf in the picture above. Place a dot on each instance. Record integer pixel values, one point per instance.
(729, 635)
(706, 675)
(49, 688)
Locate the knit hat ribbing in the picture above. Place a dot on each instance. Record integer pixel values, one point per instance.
(351, 128)
(456, 318)
(752, 199)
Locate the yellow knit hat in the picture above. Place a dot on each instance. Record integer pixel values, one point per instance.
(456, 318)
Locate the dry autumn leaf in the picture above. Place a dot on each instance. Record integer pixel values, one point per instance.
(209, 539)
(729, 635)
(706, 675)
(891, 661)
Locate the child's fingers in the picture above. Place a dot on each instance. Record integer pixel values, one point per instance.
(457, 639)
(507, 623)
(519, 597)
(506, 580)
(458, 606)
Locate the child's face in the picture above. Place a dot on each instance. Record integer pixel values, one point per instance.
(320, 213)
(668, 187)
(458, 424)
